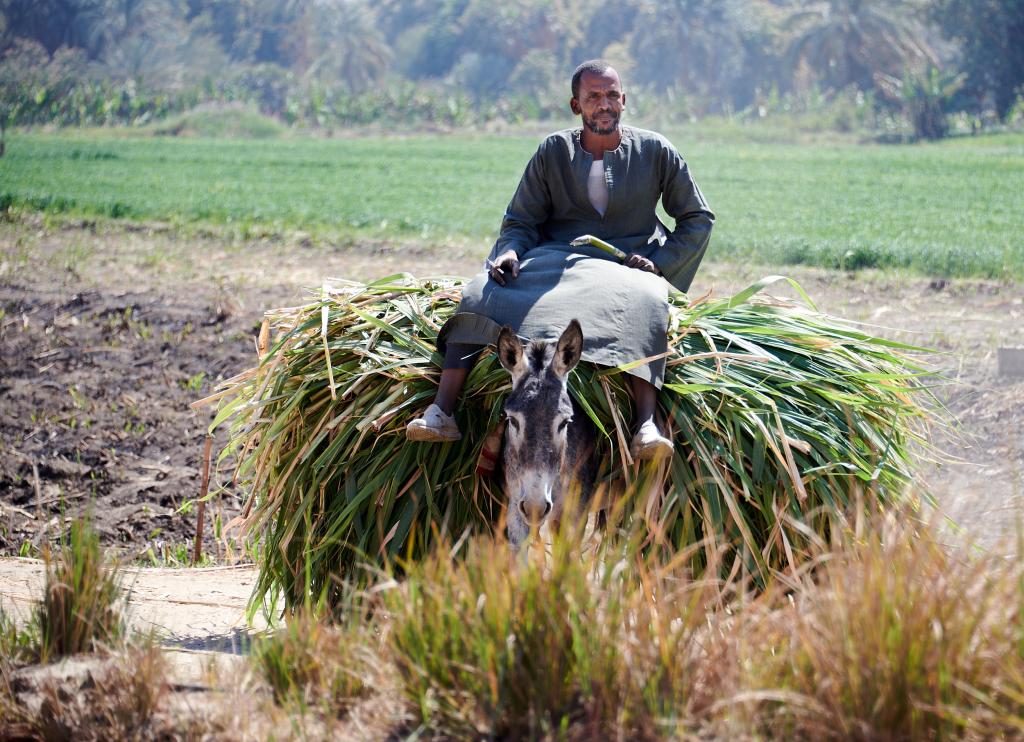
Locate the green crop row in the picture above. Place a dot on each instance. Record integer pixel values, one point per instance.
(951, 209)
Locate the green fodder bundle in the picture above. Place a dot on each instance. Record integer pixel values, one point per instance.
(781, 415)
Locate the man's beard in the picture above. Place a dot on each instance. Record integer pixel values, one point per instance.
(602, 131)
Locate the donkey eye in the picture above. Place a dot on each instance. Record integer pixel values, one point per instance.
(564, 424)
(513, 423)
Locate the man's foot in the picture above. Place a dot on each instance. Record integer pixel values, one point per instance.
(433, 427)
(649, 444)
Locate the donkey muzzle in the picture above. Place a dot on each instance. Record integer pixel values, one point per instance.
(534, 510)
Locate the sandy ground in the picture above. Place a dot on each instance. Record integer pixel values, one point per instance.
(195, 608)
(198, 615)
(107, 333)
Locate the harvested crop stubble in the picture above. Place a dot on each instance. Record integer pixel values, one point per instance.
(780, 414)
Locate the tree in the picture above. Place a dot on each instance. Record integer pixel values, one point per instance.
(490, 47)
(500, 37)
(132, 39)
(56, 23)
(399, 16)
(700, 46)
(346, 44)
(991, 38)
(253, 30)
(848, 42)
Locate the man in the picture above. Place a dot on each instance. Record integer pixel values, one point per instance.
(603, 179)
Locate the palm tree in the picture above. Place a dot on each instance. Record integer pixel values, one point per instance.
(347, 45)
(695, 45)
(57, 23)
(848, 42)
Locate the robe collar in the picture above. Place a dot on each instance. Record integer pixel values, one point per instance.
(613, 158)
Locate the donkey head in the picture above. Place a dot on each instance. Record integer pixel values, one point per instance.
(549, 442)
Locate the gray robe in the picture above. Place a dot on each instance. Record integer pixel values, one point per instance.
(623, 311)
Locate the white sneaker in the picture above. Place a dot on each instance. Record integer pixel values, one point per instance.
(649, 444)
(433, 427)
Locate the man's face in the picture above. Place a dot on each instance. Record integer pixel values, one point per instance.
(600, 102)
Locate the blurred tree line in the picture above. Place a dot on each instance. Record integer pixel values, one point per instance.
(454, 62)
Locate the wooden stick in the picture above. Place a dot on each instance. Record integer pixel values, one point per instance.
(39, 490)
(204, 488)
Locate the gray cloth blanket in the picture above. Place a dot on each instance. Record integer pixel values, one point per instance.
(623, 311)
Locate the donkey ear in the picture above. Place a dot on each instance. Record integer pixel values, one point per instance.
(510, 351)
(568, 350)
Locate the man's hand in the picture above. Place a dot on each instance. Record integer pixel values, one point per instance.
(506, 266)
(635, 260)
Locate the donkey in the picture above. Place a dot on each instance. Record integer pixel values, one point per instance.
(549, 440)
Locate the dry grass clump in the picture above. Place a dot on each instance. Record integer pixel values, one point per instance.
(883, 634)
(313, 663)
(115, 698)
(608, 646)
(89, 697)
(130, 695)
(889, 635)
(895, 636)
(79, 609)
(78, 612)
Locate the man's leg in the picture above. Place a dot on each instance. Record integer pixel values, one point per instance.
(449, 388)
(437, 425)
(645, 396)
(648, 443)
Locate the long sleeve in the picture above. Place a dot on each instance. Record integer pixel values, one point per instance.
(684, 248)
(529, 208)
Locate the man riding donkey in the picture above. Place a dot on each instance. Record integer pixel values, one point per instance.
(601, 179)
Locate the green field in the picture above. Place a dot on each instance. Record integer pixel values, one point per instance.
(954, 208)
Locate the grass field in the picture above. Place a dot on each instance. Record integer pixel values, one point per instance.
(953, 208)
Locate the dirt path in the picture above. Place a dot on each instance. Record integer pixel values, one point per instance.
(107, 334)
(198, 616)
(197, 608)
